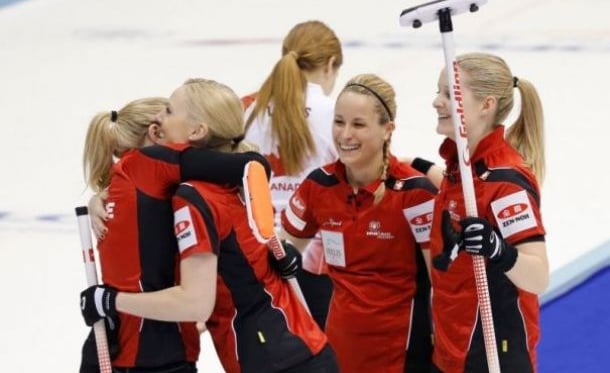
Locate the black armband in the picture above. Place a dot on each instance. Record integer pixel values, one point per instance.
(507, 260)
(421, 165)
(216, 167)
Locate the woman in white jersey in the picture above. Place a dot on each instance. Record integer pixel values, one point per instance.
(290, 119)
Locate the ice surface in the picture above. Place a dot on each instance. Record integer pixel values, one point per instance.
(62, 61)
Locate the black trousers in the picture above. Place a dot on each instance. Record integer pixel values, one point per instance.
(412, 366)
(317, 290)
(324, 362)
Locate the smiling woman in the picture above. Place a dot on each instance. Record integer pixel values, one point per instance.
(89, 72)
(363, 129)
(508, 232)
(368, 208)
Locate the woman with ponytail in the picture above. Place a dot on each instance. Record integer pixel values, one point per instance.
(256, 321)
(290, 119)
(507, 167)
(138, 252)
(373, 214)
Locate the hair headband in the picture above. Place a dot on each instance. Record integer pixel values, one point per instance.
(385, 106)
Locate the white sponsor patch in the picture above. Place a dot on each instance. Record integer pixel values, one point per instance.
(420, 220)
(334, 250)
(293, 219)
(513, 213)
(183, 228)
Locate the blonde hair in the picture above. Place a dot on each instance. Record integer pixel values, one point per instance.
(384, 97)
(307, 47)
(107, 139)
(489, 75)
(219, 107)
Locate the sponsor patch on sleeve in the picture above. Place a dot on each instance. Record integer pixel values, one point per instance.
(295, 212)
(419, 218)
(514, 213)
(183, 228)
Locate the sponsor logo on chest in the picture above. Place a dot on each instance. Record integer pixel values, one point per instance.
(374, 230)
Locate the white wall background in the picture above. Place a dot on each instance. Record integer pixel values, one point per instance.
(62, 61)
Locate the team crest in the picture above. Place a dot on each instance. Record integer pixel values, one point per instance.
(375, 231)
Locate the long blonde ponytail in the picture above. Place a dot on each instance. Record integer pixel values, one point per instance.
(112, 133)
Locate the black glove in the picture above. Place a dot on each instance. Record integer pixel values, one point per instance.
(452, 242)
(289, 265)
(480, 238)
(98, 302)
(89, 360)
(421, 165)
